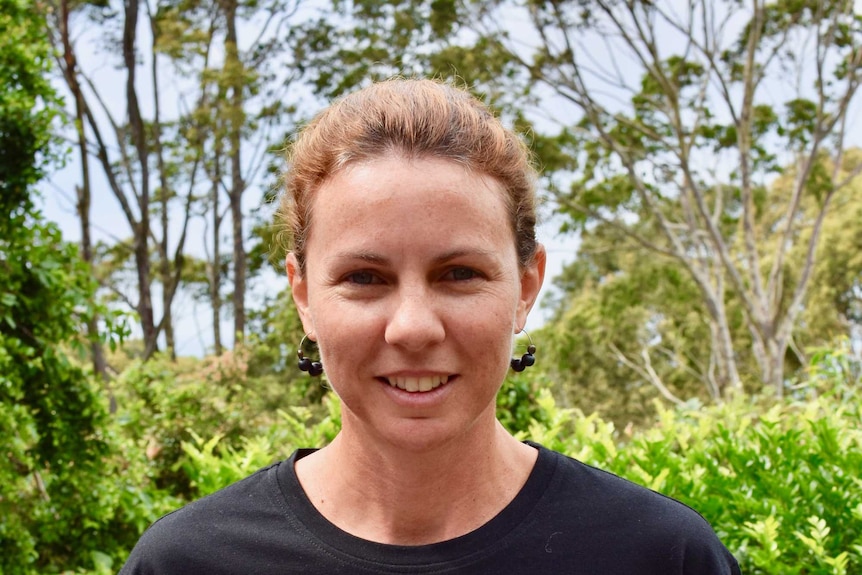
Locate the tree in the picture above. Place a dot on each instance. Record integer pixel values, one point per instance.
(832, 309)
(626, 328)
(168, 164)
(126, 166)
(692, 147)
(24, 125)
(668, 122)
(623, 319)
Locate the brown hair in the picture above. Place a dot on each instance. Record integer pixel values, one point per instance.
(416, 119)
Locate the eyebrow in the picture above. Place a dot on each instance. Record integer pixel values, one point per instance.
(378, 259)
(369, 257)
(464, 252)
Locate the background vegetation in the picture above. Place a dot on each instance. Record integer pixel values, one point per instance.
(700, 156)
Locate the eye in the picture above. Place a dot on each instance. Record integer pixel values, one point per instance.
(362, 278)
(461, 274)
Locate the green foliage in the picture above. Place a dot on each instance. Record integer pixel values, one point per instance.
(623, 301)
(26, 102)
(835, 303)
(517, 401)
(211, 466)
(59, 507)
(619, 295)
(58, 501)
(163, 404)
(50, 412)
(190, 410)
(68, 498)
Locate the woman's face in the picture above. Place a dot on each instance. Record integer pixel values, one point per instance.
(413, 291)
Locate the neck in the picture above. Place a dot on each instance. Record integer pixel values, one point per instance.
(393, 496)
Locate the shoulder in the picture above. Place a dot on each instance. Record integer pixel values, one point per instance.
(195, 534)
(600, 489)
(610, 508)
(235, 502)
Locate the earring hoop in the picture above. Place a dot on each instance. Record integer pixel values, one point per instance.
(519, 364)
(314, 368)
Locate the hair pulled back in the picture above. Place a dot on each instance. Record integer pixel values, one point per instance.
(415, 119)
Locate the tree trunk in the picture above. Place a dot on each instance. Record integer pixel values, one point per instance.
(239, 268)
(774, 369)
(167, 322)
(83, 192)
(215, 261)
(142, 228)
(728, 374)
(215, 264)
(237, 186)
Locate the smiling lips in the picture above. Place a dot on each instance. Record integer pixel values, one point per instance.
(417, 384)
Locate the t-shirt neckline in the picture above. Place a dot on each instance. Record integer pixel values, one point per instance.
(463, 549)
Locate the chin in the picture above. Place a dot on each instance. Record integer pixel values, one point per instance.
(427, 435)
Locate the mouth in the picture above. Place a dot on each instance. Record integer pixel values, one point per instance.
(418, 384)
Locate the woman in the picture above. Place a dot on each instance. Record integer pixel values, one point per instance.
(411, 213)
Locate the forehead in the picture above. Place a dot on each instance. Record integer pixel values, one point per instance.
(412, 199)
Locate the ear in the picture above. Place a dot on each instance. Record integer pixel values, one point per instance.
(532, 278)
(299, 291)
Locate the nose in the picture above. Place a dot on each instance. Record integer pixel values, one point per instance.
(415, 322)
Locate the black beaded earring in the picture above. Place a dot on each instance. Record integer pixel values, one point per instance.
(521, 363)
(314, 368)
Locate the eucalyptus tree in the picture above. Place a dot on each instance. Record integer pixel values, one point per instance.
(666, 121)
(121, 142)
(204, 90)
(689, 143)
(621, 318)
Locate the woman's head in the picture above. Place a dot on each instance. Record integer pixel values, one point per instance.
(414, 119)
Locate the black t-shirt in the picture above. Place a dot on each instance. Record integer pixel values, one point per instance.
(569, 518)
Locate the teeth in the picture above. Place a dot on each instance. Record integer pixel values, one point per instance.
(418, 384)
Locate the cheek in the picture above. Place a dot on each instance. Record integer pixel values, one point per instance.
(486, 335)
(346, 335)
(340, 337)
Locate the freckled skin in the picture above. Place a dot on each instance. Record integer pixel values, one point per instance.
(410, 272)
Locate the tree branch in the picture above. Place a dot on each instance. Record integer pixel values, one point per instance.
(646, 372)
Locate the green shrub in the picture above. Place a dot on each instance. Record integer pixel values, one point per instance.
(164, 403)
(517, 401)
(210, 466)
(63, 487)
